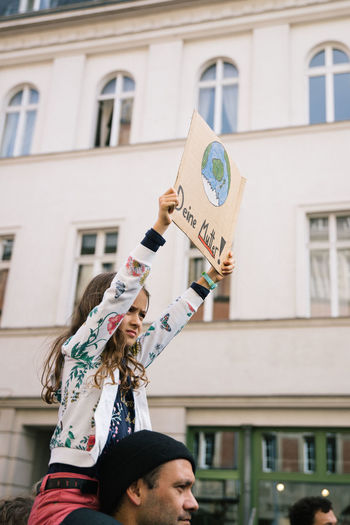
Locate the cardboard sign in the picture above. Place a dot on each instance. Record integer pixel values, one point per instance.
(210, 190)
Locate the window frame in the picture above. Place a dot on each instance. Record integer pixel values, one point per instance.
(328, 71)
(98, 258)
(117, 98)
(218, 83)
(22, 109)
(6, 264)
(208, 305)
(213, 472)
(303, 213)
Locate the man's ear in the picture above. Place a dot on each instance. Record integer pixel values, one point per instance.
(133, 492)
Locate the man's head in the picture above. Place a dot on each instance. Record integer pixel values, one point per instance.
(312, 511)
(147, 478)
(15, 511)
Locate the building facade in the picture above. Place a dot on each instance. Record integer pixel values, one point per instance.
(96, 100)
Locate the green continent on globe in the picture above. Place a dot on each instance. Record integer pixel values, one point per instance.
(218, 169)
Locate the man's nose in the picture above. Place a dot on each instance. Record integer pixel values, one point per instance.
(191, 503)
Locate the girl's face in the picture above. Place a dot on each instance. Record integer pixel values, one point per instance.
(131, 325)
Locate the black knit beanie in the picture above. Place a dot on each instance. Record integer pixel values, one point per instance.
(132, 458)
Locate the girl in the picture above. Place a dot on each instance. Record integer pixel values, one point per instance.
(96, 371)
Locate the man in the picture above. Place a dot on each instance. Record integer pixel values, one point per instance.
(312, 511)
(146, 479)
(15, 511)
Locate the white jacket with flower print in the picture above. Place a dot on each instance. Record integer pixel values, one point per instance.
(85, 411)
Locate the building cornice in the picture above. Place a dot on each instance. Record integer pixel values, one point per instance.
(277, 401)
(178, 143)
(300, 401)
(195, 326)
(133, 24)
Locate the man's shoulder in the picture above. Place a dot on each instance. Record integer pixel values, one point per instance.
(89, 517)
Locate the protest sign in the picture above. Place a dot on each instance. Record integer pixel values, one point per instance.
(210, 190)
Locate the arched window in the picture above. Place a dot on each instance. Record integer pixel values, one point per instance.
(329, 86)
(20, 116)
(115, 111)
(218, 96)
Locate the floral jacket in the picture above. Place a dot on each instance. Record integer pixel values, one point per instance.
(85, 411)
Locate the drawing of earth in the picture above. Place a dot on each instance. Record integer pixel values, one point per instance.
(216, 173)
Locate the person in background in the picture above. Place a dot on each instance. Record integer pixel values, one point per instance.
(312, 511)
(15, 511)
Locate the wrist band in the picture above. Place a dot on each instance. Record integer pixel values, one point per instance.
(211, 283)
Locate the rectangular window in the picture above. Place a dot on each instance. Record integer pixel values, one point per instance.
(338, 453)
(216, 449)
(6, 249)
(329, 261)
(96, 254)
(217, 305)
(288, 452)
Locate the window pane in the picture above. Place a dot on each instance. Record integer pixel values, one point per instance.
(125, 121)
(128, 84)
(216, 449)
(45, 4)
(289, 460)
(9, 8)
(342, 96)
(343, 228)
(7, 246)
(84, 277)
(229, 109)
(107, 267)
(206, 105)
(9, 137)
(104, 123)
(317, 99)
(28, 132)
(221, 296)
(29, 5)
(110, 87)
(230, 71)
(309, 454)
(33, 96)
(288, 452)
(196, 267)
(344, 282)
(320, 283)
(331, 452)
(339, 57)
(16, 100)
(88, 244)
(210, 73)
(338, 453)
(319, 229)
(218, 502)
(269, 453)
(318, 60)
(111, 240)
(3, 280)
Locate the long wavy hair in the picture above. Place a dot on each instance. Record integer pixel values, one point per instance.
(116, 353)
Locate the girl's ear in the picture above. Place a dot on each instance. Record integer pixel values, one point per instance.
(133, 492)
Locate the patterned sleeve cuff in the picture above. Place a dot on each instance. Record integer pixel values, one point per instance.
(200, 290)
(153, 240)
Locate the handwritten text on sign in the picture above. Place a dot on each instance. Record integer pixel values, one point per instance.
(206, 234)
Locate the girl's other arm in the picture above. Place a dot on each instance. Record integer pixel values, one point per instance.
(227, 267)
